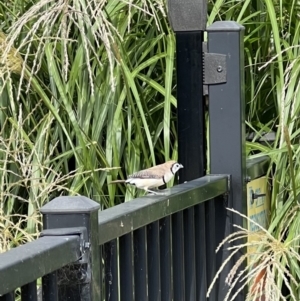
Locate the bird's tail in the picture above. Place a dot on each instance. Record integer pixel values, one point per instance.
(117, 181)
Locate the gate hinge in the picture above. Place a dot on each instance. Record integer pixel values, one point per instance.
(215, 69)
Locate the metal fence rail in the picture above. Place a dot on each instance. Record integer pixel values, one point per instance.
(156, 247)
(122, 219)
(138, 250)
(257, 167)
(20, 267)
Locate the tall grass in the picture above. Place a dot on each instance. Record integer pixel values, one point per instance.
(87, 86)
(86, 97)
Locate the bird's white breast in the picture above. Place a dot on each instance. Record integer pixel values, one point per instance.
(168, 176)
(145, 183)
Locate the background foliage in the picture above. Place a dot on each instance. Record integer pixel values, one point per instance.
(88, 86)
(85, 86)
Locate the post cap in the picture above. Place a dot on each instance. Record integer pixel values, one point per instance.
(225, 26)
(187, 15)
(70, 204)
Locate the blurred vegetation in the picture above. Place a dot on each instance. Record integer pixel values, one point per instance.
(87, 95)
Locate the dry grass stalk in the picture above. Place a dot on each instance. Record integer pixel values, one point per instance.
(268, 267)
(50, 21)
(29, 177)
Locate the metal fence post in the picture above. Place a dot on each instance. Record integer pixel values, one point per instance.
(188, 20)
(76, 211)
(227, 134)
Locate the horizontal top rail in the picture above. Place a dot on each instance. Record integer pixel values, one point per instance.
(124, 218)
(33, 260)
(257, 167)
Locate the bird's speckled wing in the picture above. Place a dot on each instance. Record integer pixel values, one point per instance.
(145, 174)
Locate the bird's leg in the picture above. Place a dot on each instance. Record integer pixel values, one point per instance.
(154, 192)
(151, 191)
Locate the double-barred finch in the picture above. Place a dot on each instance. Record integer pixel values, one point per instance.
(152, 177)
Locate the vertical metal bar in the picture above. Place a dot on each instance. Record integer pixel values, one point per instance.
(165, 259)
(190, 105)
(8, 297)
(126, 268)
(178, 257)
(49, 287)
(140, 264)
(29, 292)
(154, 290)
(111, 270)
(189, 254)
(191, 148)
(188, 20)
(223, 229)
(227, 133)
(200, 247)
(210, 228)
(102, 271)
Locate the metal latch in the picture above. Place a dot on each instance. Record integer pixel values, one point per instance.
(215, 69)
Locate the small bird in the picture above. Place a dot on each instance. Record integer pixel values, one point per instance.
(152, 177)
